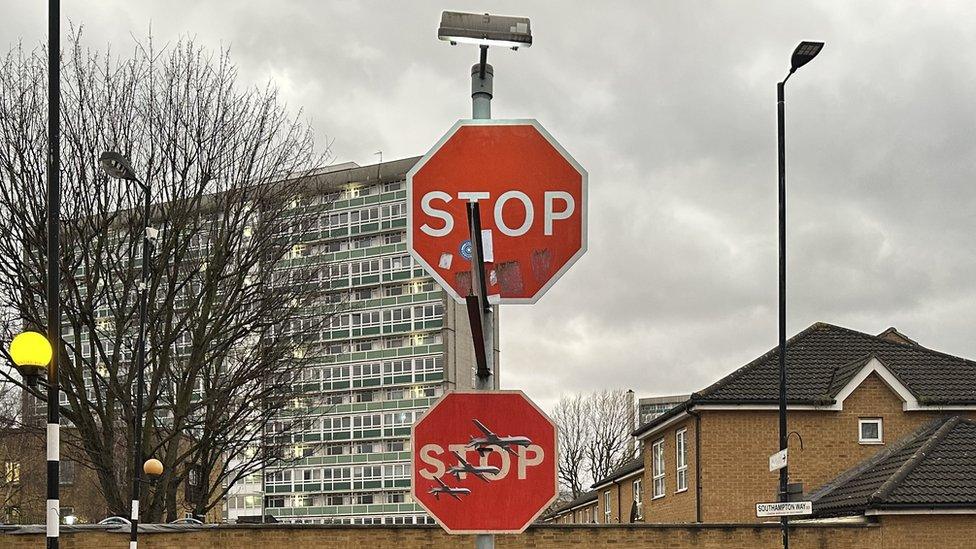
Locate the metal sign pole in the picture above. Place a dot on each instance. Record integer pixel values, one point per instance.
(479, 310)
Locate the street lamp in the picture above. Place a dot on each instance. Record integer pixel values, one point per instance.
(118, 167)
(803, 54)
(484, 30)
(153, 469)
(31, 353)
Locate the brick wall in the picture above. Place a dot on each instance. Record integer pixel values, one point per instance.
(729, 536)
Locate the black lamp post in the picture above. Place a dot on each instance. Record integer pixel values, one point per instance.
(53, 503)
(118, 167)
(803, 54)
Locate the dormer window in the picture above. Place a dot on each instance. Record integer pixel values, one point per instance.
(870, 431)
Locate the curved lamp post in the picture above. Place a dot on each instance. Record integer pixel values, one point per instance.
(118, 167)
(803, 54)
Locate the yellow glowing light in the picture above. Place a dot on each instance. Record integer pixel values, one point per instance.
(30, 349)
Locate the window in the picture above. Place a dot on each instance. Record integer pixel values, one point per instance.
(11, 471)
(274, 501)
(681, 459)
(869, 431)
(657, 469)
(66, 472)
(639, 498)
(607, 507)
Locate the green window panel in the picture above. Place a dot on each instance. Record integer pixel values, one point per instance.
(357, 202)
(401, 431)
(375, 330)
(341, 436)
(315, 437)
(370, 279)
(311, 487)
(340, 384)
(370, 227)
(399, 223)
(371, 433)
(401, 379)
(337, 486)
(375, 199)
(402, 483)
(371, 382)
(371, 484)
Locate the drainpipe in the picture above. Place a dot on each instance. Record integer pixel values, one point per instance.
(632, 419)
(698, 476)
(620, 514)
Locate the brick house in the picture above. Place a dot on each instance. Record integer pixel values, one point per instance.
(621, 493)
(866, 413)
(581, 510)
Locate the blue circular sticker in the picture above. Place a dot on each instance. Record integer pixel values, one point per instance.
(466, 249)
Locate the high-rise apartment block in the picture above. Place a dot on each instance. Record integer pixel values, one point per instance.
(396, 344)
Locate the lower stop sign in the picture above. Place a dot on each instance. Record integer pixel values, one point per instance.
(484, 462)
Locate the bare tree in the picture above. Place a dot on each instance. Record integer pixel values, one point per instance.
(594, 436)
(570, 415)
(235, 309)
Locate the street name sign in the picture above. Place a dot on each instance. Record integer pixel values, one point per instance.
(532, 198)
(484, 462)
(778, 460)
(784, 509)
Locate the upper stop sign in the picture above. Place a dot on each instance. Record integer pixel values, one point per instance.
(484, 462)
(532, 198)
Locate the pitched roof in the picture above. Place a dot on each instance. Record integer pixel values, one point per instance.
(935, 467)
(628, 467)
(821, 359)
(584, 498)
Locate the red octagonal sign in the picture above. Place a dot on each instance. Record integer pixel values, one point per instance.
(484, 462)
(532, 198)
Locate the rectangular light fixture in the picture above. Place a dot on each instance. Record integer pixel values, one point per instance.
(485, 30)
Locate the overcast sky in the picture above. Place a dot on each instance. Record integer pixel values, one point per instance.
(671, 108)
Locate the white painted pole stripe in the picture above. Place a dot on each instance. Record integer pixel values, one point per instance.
(53, 442)
(135, 509)
(53, 512)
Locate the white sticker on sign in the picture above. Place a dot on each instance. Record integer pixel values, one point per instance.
(784, 509)
(487, 247)
(445, 262)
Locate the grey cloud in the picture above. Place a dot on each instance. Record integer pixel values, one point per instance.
(670, 106)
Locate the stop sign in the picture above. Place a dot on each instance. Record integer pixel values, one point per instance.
(532, 198)
(484, 462)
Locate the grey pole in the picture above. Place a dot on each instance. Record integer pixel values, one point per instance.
(783, 436)
(53, 513)
(140, 370)
(481, 93)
